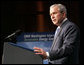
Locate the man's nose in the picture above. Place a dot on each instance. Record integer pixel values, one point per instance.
(52, 16)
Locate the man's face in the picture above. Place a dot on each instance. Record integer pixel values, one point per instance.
(56, 16)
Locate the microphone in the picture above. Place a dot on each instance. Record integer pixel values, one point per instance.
(12, 37)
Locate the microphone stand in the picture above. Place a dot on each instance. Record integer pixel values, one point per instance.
(13, 36)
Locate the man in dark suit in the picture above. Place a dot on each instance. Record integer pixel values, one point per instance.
(65, 47)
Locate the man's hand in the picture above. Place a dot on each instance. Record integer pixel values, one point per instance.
(40, 52)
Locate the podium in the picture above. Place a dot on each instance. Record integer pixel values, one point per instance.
(17, 55)
(21, 52)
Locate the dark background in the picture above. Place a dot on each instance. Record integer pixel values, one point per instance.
(32, 16)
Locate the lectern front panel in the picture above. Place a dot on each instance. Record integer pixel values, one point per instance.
(17, 55)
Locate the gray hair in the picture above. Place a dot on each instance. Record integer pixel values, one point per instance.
(61, 8)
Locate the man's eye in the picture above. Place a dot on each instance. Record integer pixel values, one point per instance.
(55, 13)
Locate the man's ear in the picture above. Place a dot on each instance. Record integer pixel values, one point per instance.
(64, 14)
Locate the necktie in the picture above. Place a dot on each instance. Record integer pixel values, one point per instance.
(55, 37)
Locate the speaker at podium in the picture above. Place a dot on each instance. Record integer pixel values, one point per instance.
(17, 55)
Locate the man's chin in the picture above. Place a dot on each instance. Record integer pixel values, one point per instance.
(54, 23)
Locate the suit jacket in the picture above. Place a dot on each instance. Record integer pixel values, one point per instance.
(65, 47)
